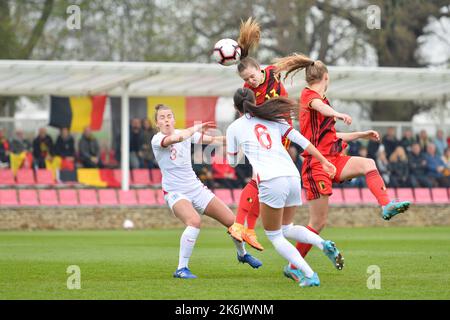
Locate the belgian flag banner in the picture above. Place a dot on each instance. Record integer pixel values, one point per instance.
(76, 113)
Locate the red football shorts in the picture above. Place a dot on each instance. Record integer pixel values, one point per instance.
(316, 181)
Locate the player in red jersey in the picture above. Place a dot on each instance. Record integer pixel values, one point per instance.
(265, 84)
(317, 119)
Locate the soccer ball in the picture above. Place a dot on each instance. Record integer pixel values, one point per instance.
(227, 52)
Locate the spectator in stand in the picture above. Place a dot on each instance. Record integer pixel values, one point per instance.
(383, 165)
(108, 156)
(19, 144)
(148, 157)
(407, 140)
(223, 174)
(399, 168)
(440, 142)
(42, 149)
(65, 148)
(201, 168)
(353, 148)
(372, 149)
(436, 168)
(390, 141)
(418, 168)
(423, 140)
(4, 149)
(89, 150)
(136, 142)
(295, 156)
(446, 159)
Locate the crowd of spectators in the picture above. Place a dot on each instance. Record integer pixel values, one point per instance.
(413, 161)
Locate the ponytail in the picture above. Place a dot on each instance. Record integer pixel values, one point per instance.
(294, 63)
(249, 36)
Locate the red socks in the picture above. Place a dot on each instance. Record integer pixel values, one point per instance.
(376, 185)
(253, 214)
(248, 203)
(304, 248)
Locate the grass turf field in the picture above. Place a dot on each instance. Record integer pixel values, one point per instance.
(414, 262)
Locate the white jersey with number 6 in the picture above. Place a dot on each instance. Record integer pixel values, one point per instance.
(260, 141)
(175, 163)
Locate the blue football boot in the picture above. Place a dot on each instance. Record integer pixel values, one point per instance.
(252, 261)
(184, 273)
(310, 282)
(330, 250)
(393, 208)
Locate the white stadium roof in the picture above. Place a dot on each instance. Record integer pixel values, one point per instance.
(68, 78)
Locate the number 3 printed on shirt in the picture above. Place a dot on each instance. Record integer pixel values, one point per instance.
(173, 152)
(263, 136)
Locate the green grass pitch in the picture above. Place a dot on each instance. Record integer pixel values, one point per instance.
(414, 264)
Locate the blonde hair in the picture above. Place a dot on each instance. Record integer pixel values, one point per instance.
(314, 70)
(249, 36)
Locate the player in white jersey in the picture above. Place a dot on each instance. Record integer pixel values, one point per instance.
(186, 196)
(258, 134)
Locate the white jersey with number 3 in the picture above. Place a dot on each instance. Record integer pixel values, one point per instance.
(175, 163)
(260, 141)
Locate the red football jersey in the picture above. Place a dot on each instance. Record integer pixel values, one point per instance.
(271, 87)
(316, 127)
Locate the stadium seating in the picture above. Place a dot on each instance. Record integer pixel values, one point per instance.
(391, 193)
(128, 198)
(8, 198)
(367, 197)
(352, 196)
(337, 198)
(7, 177)
(440, 196)
(146, 197)
(68, 197)
(28, 198)
(140, 177)
(88, 197)
(107, 197)
(405, 194)
(160, 198)
(48, 198)
(44, 177)
(237, 195)
(422, 196)
(156, 176)
(25, 177)
(225, 196)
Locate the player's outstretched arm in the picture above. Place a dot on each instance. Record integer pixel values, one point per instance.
(186, 133)
(351, 136)
(327, 111)
(218, 140)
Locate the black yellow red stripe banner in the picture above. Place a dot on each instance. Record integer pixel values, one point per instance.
(77, 113)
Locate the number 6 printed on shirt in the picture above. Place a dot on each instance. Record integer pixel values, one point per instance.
(263, 136)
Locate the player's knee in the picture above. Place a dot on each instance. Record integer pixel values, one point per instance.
(369, 165)
(194, 222)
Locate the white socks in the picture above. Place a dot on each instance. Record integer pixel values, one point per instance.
(240, 247)
(187, 243)
(302, 234)
(289, 252)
